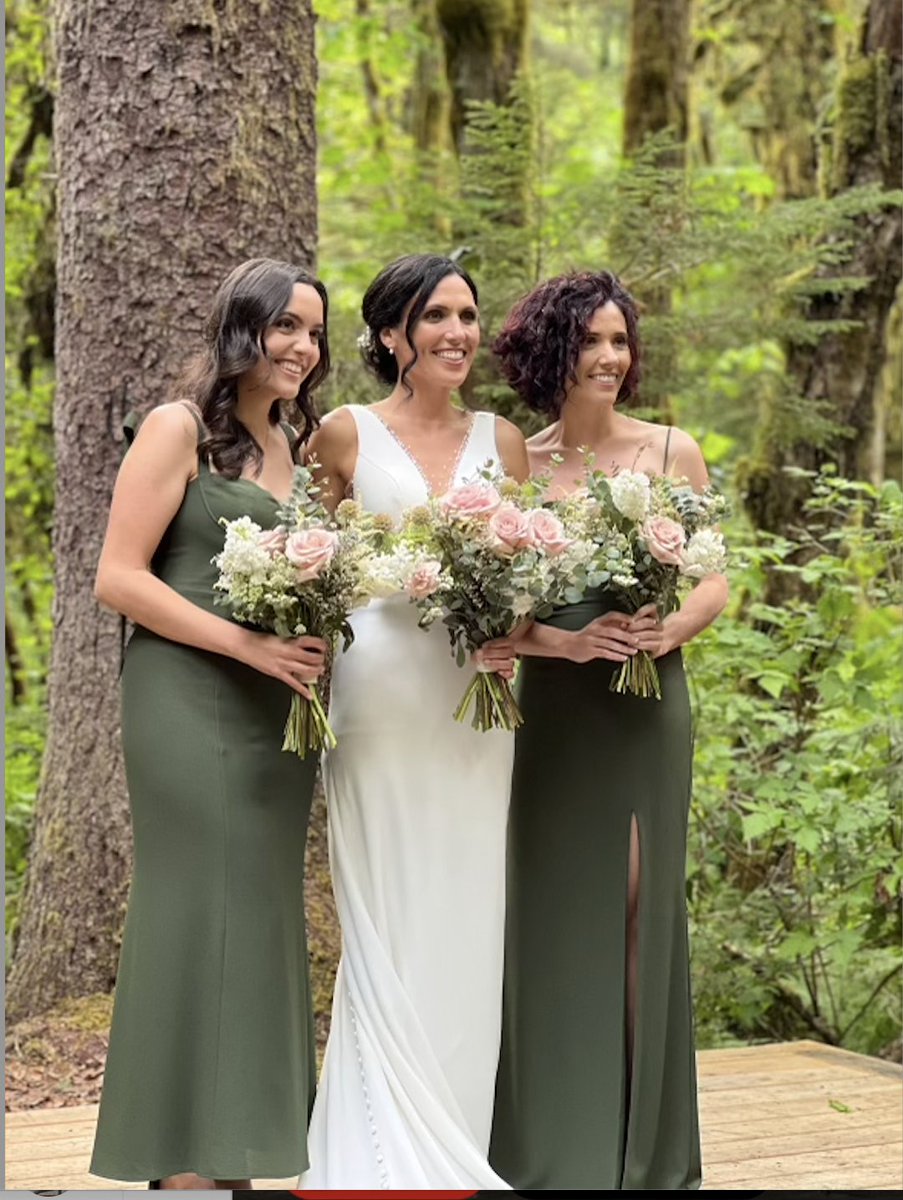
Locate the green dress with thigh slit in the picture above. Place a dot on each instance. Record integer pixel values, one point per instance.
(211, 1063)
(569, 1113)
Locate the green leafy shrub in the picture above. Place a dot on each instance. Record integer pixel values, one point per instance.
(796, 827)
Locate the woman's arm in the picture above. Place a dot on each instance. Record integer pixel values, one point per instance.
(707, 598)
(331, 454)
(512, 449)
(697, 612)
(149, 490)
(608, 636)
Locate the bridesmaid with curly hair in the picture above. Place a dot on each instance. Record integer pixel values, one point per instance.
(596, 1085)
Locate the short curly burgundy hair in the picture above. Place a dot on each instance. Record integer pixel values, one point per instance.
(540, 341)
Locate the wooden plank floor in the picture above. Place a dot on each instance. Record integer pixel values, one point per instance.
(785, 1117)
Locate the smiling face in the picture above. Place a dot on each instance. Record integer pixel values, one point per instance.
(445, 337)
(291, 345)
(604, 357)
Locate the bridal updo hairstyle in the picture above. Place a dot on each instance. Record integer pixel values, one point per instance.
(540, 342)
(250, 299)
(409, 280)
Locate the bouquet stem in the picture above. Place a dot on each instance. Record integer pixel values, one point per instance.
(639, 676)
(493, 701)
(307, 727)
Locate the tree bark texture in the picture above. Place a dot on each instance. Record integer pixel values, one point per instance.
(185, 143)
(843, 370)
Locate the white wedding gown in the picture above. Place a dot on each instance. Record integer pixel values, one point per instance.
(417, 808)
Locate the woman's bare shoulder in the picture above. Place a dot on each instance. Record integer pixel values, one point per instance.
(545, 441)
(337, 428)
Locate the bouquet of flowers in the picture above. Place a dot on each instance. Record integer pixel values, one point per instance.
(484, 558)
(648, 535)
(305, 576)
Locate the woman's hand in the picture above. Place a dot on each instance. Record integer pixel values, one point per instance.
(651, 633)
(609, 636)
(498, 656)
(296, 661)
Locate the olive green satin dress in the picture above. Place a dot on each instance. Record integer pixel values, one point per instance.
(211, 1063)
(568, 1113)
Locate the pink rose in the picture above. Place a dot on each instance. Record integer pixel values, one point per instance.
(548, 532)
(664, 539)
(310, 550)
(273, 541)
(471, 500)
(423, 580)
(509, 529)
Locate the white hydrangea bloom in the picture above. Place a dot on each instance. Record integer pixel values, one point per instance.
(630, 494)
(384, 574)
(704, 554)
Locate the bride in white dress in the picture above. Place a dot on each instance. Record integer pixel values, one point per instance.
(417, 803)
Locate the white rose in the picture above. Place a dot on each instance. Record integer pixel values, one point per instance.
(705, 554)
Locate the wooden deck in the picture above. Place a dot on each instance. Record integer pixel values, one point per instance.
(785, 1117)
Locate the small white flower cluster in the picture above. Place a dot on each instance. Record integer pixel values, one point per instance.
(242, 557)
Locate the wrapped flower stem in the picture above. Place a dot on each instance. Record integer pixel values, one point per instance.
(494, 706)
(639, 676)
(307, 726)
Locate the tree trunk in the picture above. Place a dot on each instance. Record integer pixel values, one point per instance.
(656, 96)
(185, 142)
(373, 94)
(429, 122)
(15, 668)
(485, 45)
(430, 110)
(842, 371)
(778, 96)
(656, 99)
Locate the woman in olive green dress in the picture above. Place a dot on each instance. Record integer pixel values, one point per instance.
(210, 1072)
(596, 1085)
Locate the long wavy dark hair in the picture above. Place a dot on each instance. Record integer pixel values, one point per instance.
(540, 342)
(249, 300)
(411, 279)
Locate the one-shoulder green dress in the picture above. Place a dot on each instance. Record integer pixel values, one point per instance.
(586, 761)
(211, 1062)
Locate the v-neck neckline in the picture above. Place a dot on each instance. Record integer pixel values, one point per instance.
(244, 479)
(459, 455)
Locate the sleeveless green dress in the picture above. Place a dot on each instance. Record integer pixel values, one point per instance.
(211, 1063)
(567, 1114)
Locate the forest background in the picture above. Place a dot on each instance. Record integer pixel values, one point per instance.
(736, 162)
